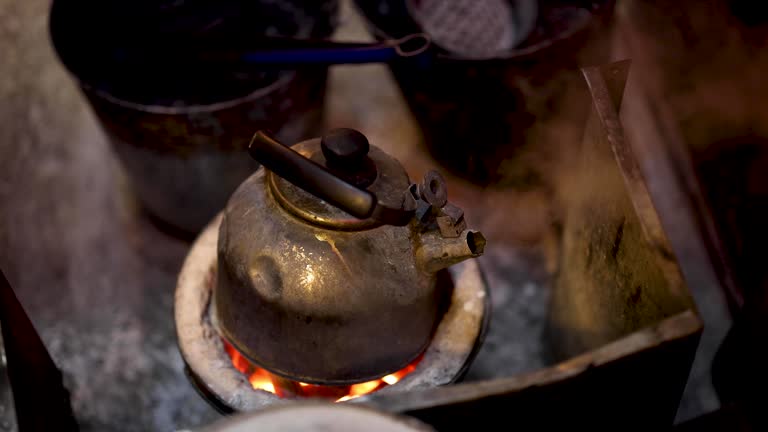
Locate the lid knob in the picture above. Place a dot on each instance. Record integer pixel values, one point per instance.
(346, 154)
(344, 147)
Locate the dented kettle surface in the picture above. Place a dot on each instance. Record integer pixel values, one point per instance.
(321, 305)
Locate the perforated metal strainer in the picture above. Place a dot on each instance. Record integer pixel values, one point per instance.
(475, 28)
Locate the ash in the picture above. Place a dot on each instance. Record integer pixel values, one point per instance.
(520, 298)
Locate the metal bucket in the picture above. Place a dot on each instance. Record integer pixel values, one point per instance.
(476, 114)
(183, 148)
(185, 162)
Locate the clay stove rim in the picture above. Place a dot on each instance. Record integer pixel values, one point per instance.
(453, 347)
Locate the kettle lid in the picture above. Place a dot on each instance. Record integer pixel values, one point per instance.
(347, 155)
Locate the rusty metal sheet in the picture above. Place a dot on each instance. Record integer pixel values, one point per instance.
(621, 318)
(617, 272)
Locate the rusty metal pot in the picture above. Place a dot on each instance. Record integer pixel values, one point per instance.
(184, 162)
(337, 289)
(477, 114)
(180, 129)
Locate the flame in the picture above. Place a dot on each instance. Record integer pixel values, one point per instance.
(261, 379)
(390, 379)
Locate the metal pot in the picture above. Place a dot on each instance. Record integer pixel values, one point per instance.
(180, 131)
(477, 113)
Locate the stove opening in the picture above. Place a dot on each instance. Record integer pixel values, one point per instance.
(261, 379)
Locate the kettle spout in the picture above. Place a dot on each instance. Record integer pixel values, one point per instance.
(437, 252)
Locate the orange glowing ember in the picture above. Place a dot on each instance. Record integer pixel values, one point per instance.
(260, 379)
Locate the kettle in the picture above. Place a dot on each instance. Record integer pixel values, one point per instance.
(328, 257)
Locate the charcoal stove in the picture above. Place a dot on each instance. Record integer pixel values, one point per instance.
(288, 296)
(214, 374)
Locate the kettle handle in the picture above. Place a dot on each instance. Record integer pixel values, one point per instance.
(315, 179)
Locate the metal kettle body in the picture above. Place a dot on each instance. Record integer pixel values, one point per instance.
(315, 295)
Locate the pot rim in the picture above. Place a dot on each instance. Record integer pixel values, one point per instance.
(283, 79)
(506, 55)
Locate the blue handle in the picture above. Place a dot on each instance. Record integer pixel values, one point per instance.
(340, 53)
(381, 54)
(278, 52)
